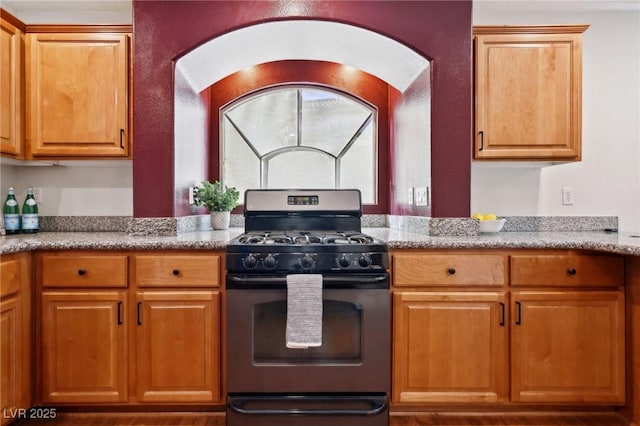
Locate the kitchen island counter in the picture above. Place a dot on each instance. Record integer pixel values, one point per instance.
(610, 242)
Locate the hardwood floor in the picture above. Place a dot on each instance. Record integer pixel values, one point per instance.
(509, 419)
(422, 419)
(131, 419)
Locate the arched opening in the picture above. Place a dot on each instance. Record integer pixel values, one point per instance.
(362, 50)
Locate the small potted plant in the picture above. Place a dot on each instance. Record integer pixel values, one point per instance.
(219, 199)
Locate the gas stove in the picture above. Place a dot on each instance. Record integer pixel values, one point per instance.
(293, 231)
(291, 237)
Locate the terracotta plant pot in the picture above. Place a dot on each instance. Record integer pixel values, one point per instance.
(220, 220)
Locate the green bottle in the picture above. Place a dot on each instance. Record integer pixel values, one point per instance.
(11, 213)
(30, 219)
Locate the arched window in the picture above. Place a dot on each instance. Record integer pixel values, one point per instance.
(300, 137)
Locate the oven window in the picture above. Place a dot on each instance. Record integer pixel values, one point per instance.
(341, 335)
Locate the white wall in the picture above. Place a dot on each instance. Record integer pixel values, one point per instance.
(82, 189)
(607, 180)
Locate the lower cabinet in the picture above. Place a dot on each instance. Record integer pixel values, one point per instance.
(568, 347)
(84, 347)
(177, 341)
(15, 335)
(10, 344)
(554, 333)
(450, 347)
(114, 331)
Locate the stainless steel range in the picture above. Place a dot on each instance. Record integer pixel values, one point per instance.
(308, 313)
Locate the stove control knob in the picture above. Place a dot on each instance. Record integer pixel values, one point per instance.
(344, 261)
(307, 262)
(269, 262)
(250, 261)
(364, 261)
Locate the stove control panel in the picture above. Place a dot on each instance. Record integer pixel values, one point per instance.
(306, 262)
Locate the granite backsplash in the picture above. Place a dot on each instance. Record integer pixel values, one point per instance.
(424, 225)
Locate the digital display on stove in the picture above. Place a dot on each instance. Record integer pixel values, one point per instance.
(302, 200)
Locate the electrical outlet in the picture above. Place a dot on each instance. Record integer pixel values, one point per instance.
(421, 196)
(37, 194)
(410, 200)
(567, 196)
(192, 200)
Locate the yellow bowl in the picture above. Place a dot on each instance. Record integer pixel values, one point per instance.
(491, 226)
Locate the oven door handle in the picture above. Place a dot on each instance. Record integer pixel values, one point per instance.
(378, 405)
(378, 280)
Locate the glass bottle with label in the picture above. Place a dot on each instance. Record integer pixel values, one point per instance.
(30, 219)
(11, 213)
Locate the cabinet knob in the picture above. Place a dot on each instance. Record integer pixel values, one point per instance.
(176, 272)
(451, 271)
(82, 271)
(571, 271)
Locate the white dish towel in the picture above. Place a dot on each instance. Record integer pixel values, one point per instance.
(304, 311)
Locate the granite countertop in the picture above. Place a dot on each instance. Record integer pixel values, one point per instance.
(611, 242)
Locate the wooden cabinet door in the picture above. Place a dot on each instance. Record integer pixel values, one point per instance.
(10, 357)
(11, 103)
(84, 351)
(568, 347)
(528, 94)
(77, 94)
(15, 335)
(449, 347)
(178, 353)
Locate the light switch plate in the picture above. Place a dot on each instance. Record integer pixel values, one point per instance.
(37, 194)
(567, 196)
(421, 196)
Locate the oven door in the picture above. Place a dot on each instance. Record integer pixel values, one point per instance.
(355, 356)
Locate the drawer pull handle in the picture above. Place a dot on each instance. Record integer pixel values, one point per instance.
(121, 137)
(176, 272)
(518, 313)
(139, 312)
(481, 133)
(119, 312)
(502, 314)
(571, 271)
(82, 272)
(451, 271)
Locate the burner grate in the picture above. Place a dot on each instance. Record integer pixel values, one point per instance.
(304, 237)
(343, 238)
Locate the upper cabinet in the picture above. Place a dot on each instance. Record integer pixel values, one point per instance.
(528, 92)
(77, 91)
(11, 88)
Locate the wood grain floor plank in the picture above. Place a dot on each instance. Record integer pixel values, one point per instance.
(421, 419)
(509, 419)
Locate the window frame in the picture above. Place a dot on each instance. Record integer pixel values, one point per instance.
(265, 158)
(327, 75)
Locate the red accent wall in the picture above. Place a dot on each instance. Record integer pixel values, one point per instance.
(165, 30)
(361, 84)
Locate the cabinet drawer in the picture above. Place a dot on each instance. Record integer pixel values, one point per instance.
(10, 276)
(177, 270)
(444, 270)
(567, 270)
(69, 270)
